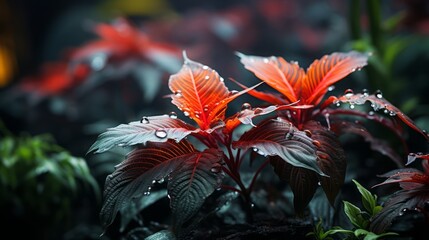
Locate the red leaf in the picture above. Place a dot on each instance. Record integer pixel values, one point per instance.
(278, 73)
(379, 103)
(55, 78)
(277, 99)
(121, 40)
(409, 178)
(200, 93)
(328, 70)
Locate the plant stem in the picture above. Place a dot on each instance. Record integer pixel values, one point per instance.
(354, 19)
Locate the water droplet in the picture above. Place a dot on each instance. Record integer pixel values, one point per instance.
(353, 69)
(319, 183)
(307, 132)
(260, 152)
(122, 144)
(365, 92)
(215, 169)
(246, 106)
(371, 113)
(146, 193)
(207, 77)
(186, 113)
(144, 120)
(205, 67)
(149, 188)
(386, 111)
(266, 60)
(172, 115)
(338, 103)
(233, 92)
(161, 180)
(378, 94)
(352, 106)
(392, 113)
(316, 143)
(153, 181)
(255, 149)
(197, 116)
(178, 93)
(169, 197)
(221, 79)
(160, 133)
(252, 205)
(98, 62)
(331, 88)
(348, 93)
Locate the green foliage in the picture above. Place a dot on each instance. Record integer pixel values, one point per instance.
(360, 219)
(38, 178)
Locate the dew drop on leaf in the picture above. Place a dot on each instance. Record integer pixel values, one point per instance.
(161, 133)
(205, 67)
(365, 92)
(348, 93)
(331, 88)
(233, 92)
(378, 94)
(186, 113)
(266, 60)
(207, 77)
(371, 113)
(316, 143)
(144, 120)
(221, 79)
(178, 93)
(246, 106)
(352, 106)
(392, 113)
(307, 132)
(172, 115)
(215, 169)
(161, 180)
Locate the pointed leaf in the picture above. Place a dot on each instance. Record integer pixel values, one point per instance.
(369, 201)
(281, 138)
(331, 158)
(196, 179)
(355, 215)
(273, 98)
(379, 103)
(303, 182)
(413, 156)
(409, 178)
(277, 72)
(149, 129)
(200, 93)
(376, 144)
(138, 172)
(328, 70)
(397, 205)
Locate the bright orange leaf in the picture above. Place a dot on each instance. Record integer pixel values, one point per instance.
(296, 84)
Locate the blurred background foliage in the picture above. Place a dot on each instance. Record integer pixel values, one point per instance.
(63, 75)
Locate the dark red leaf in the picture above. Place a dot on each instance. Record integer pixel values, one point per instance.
(397, 205)
(379, 145)
(378, 103)
(142, 168)
(192, 182)
(409, 178)
(331, 158)
(149, 129)
(303, 182)
(279, 137)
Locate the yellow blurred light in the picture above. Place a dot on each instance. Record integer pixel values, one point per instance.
(6, 65)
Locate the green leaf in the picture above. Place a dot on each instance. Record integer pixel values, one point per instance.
(355, 215)
(369, 201)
